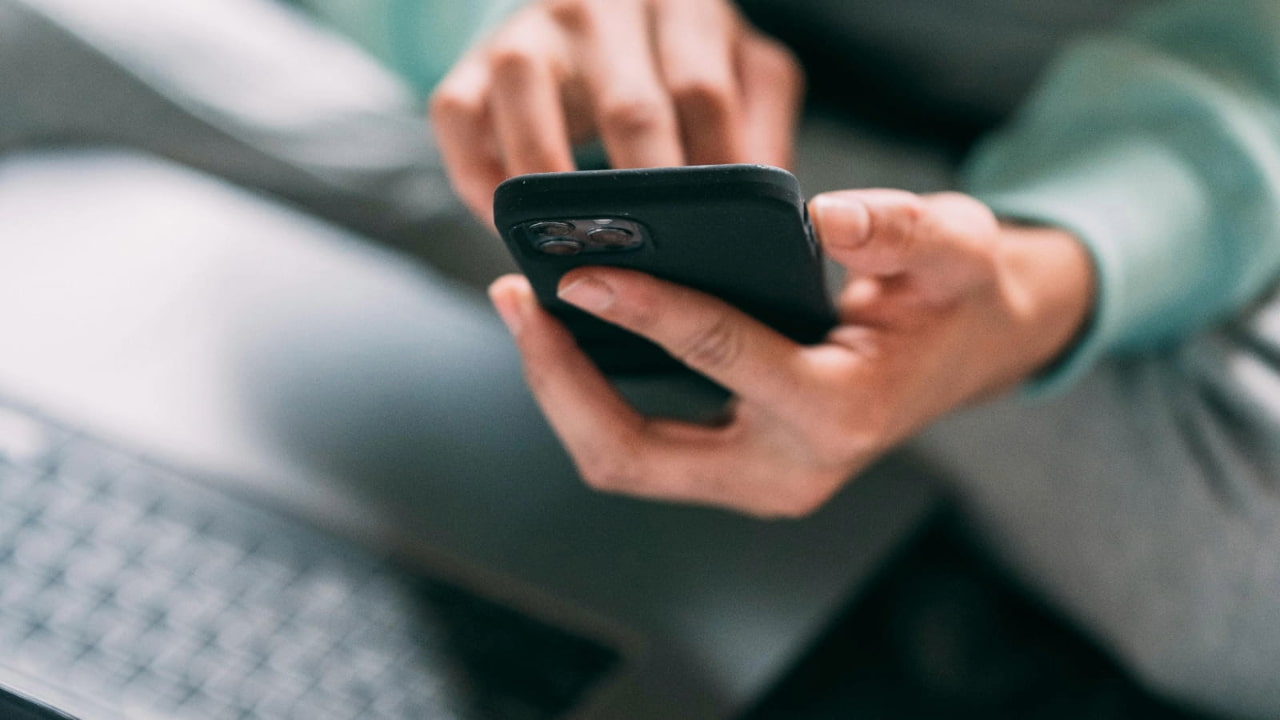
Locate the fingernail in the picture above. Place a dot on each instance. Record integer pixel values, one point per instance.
(587, 293)
(839, 219)
(819, 206)
(821, 202)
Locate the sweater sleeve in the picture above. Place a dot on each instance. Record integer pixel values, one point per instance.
(1159, 147)
(418, 39)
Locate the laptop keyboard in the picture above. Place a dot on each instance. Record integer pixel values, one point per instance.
(137, 589)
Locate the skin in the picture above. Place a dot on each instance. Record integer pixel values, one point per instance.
(688, 83)
(943, 305)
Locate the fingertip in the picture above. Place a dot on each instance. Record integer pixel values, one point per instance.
(819, 205)
(586, 291)
(511, 282)
(840, 219)
(512, 297)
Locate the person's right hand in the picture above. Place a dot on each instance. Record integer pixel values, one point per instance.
(943, 306)
(659, 82)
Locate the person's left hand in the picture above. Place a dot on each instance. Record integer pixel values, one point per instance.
(657, 82)
(943, 306)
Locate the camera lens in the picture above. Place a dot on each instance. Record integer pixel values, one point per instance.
(558, 246)
(612, 237)
(552, 229)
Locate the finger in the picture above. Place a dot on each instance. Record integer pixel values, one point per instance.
(526, 100)
(704, 333)
(695, 42)
(614, 449)
(941, 240)
(733, 466)
(870, 232)
(466, 137)
(634, 115)
(587, 413)
(772, 86)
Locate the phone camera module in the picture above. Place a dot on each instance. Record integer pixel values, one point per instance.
(552, 229)
(614, 238)
(568, 236)
(560, 246)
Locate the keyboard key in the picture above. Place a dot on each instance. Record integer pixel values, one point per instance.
(146, 592)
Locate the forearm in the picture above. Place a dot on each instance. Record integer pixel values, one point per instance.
(1156, 147)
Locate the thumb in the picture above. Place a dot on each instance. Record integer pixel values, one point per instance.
(870, 232)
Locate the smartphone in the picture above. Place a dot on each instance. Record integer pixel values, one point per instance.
(739, 232)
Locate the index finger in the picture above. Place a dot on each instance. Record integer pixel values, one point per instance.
(706, 334)
(465, 136)
(617, 450)
(578, 401)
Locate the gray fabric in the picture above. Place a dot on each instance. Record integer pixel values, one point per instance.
(1145, 503)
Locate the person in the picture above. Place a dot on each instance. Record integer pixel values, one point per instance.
(1111, 258)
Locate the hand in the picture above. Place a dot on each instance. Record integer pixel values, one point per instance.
(660, 82)
(943, 306)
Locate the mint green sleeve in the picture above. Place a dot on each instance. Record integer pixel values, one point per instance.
(1159, 147)
(418, 39)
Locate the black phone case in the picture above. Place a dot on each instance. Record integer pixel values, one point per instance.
(739, 232)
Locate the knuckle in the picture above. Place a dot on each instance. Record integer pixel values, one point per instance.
(908, 212)
(513, 59)
(714, 346)
(778, 62)
(911, 207)
(633, 116)
(610, 472)
(958, 212)
(571, 14)
(705, 97)
(447, 102)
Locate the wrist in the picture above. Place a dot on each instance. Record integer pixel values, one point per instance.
(1047, 279)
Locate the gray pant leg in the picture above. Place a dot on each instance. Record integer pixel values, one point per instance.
(208, 325)
(1145, 503)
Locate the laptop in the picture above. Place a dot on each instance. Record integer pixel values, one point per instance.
(128, 590)
(212, 392)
